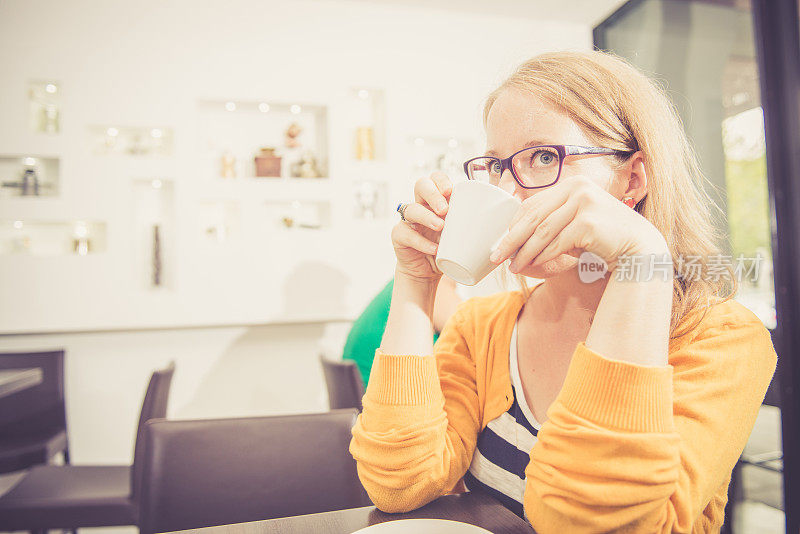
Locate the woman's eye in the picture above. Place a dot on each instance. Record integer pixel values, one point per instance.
(542, 157)
(496, 167)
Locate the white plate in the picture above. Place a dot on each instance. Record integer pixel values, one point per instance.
(423, 526)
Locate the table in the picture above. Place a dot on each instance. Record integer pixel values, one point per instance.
(472, 507)
(14, 380)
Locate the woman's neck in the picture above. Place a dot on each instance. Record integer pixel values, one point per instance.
(565, 297)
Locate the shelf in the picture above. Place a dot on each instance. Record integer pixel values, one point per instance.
(429, 153)
(137, 141)
(266, 189)
(29, 176)
(44, 113)
(219, 221)
(233, 133)
(275, 242)
(52, 238)
(298, 215)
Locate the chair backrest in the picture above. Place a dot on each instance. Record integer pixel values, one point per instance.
(345, 388)
(220, 471)
(154, 406)
(40, 407)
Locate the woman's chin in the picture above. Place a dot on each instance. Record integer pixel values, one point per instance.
(551, 268)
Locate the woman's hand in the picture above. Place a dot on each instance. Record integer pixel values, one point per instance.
(574, 216)
(415, 240)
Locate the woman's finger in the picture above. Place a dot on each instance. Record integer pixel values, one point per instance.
(521, 230)
(403, 235)
(443, 183)
(417, 213)
(427, 192)
(534, 210)
(512, 241)
(543, 202)
(543, 235)
(564, 243)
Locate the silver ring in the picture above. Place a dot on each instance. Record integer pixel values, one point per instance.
(401, 209)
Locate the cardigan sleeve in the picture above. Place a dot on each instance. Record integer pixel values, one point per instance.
(416, 434)
(645, 449)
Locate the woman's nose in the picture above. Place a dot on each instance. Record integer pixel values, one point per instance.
(509, 184)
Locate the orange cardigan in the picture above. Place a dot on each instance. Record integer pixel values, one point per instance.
(625, 447)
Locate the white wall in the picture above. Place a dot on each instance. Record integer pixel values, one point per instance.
(149, 62)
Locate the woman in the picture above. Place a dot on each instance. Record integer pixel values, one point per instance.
(620, 404)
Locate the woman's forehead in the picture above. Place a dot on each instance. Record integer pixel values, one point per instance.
(516, 118)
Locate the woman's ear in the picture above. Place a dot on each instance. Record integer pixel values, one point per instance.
(636, 177)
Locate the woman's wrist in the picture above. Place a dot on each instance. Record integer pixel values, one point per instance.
(413, 290)
(646, 256)
(633, 319)
(651, 242)
(409, 329)
(416, 281)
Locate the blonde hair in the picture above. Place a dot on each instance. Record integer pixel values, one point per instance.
(619, 107)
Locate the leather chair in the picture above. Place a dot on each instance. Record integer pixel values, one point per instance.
(72, 496)
(33, 422)
(345, 388)
(220, 471)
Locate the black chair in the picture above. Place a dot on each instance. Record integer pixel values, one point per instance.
(33, 422)
(345, 388)
(72, 496)
(220, 471)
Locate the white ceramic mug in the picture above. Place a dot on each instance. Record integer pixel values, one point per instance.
(477, 220)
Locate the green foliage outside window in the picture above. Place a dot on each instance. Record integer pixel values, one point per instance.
(748, 206)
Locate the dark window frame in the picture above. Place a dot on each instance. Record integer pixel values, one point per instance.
(777, 40)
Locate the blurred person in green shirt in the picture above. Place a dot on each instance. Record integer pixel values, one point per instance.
(367, 330)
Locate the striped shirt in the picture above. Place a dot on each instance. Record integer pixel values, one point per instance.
(503, 449)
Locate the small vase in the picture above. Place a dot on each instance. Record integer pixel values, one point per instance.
(365, 143)
(268, 165)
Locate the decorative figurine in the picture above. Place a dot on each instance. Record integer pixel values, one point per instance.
(138, 146)
(228, 165)
(447, 162)
(50, 119)
(28, 184)
(44, 111)
(292, 134)
(367, 199)
(81, 246)
(21, 244)
(306, 166)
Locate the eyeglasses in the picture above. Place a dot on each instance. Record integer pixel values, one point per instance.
(533, 167)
